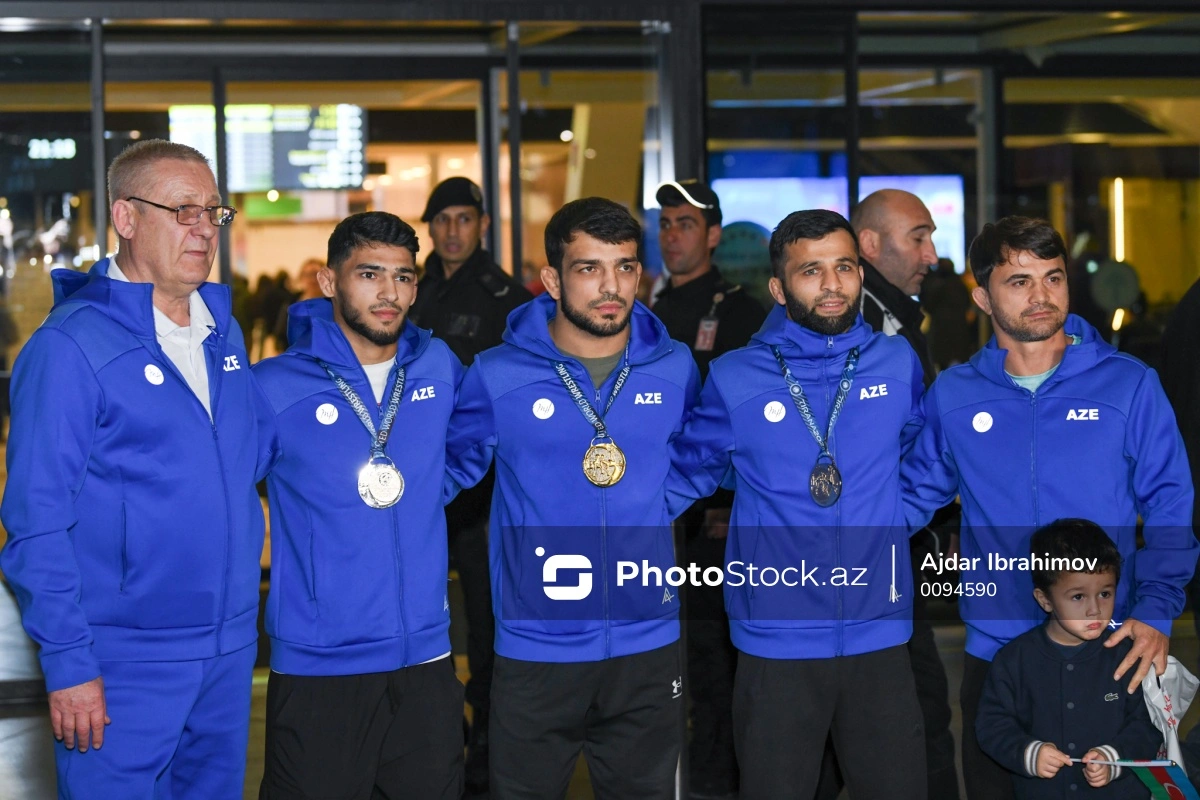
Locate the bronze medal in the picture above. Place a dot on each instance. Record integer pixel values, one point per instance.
(825, 484)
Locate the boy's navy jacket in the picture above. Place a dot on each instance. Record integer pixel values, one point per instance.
(746, 419)
(134, 528)
(356, 589)
(1098, 441)
(552, 532)
(1034, 694)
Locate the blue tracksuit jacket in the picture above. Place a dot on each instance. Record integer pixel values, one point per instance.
(356, 589)
(1098, 440)
(553, 532)
(134, 528)
(746, 420)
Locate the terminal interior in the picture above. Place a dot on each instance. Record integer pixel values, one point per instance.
(1089, 119)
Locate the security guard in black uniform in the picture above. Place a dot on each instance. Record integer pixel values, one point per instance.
(464, 298)
(713, 316)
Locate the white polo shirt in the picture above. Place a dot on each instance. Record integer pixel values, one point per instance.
(184, 345)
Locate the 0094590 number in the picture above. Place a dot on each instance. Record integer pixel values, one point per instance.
(966, 589)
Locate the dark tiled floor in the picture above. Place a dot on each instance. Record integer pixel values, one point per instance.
(26, 755)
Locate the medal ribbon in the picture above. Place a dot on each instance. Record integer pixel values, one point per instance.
(378, 440)
(802, 407)
(585, 407)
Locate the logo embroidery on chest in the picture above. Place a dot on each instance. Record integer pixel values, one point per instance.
(868, 392)
(1084, 414)
(424, 393)
(648, 398)
(231, 363)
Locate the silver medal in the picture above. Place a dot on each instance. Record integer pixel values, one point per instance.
(380, 484)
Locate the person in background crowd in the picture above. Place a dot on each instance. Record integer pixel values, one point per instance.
(712, 316)
(895, 231)
(465, 298)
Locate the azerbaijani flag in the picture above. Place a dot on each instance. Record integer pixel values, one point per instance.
(1166, 783)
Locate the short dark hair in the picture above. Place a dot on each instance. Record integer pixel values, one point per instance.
(1072, 539)
(369, 229)
(597, 217)
(813, 224)
(998, 240)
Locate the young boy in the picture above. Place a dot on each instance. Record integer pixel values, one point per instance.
(1050, 695)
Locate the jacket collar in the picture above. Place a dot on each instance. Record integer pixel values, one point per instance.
(131, 304)
(313, 332)
(434, 268)
(528, 329)
(903, 307)
(799, 342)
(1077, 358)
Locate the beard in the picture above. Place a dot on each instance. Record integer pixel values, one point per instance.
(807, 316)
(1024, 331)
(580, 319)
(359, 325)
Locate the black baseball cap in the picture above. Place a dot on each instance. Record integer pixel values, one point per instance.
(453, 192)
(693, 192)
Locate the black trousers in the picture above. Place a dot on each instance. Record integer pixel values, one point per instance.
(783, 711)
(985, 779)
(381, 736)
(712, 659)
(623, 713)
(933, 693)
(469, 555)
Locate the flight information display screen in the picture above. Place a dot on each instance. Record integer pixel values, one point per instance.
(280, 147)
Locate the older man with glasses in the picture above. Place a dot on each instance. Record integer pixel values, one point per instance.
(138, 434)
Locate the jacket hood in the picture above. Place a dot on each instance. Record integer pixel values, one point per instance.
(130, 304)
(795, 340)
(1078, 357)
(313, 332)
(528, 329)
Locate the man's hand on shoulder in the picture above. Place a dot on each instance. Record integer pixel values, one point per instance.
(1149, 646)
(76, 712)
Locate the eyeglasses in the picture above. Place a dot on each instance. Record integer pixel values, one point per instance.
(190, 215)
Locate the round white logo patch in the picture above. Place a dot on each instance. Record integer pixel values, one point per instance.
(327, 413)
(544, 408)
(774, 411)
(154, 374)
(982, 422)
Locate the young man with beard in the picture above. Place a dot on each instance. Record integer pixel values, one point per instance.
(1083, 431)
(811, 419)
(362, 699)
(578, 406)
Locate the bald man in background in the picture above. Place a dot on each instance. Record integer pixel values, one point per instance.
(895, 234)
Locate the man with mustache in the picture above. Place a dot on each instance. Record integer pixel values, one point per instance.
(808, 423)
(577, 407)
(1049, 422)
(465, 299)
(362, 700)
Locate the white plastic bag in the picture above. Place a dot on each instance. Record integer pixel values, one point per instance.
(1167, 699)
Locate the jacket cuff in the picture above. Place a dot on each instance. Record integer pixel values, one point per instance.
(1110, 754)
(1031, 754)
(68, 668)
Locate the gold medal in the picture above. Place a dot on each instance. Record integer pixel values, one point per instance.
(604, 464)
